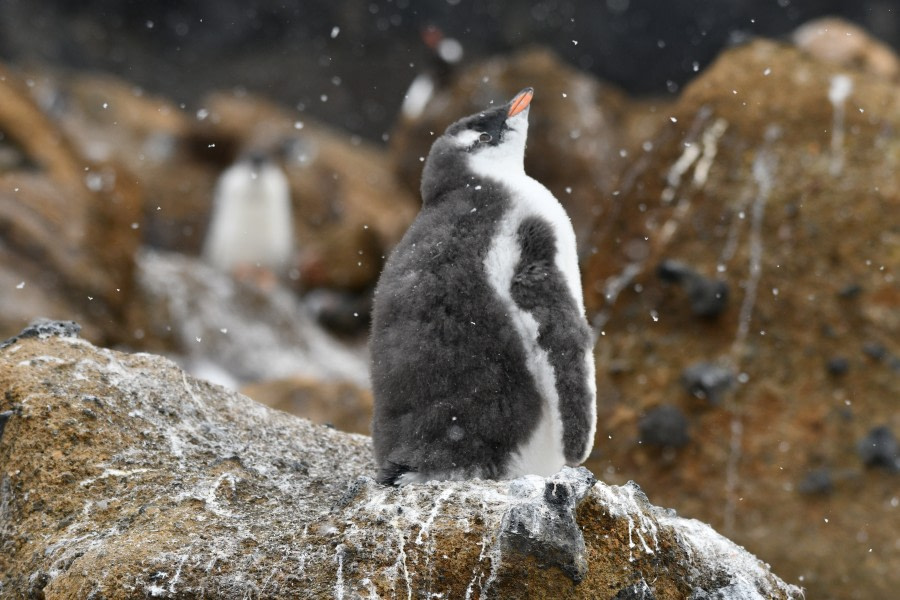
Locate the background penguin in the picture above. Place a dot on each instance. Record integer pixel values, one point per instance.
(444, 56)
(251, 228)
(482, 360)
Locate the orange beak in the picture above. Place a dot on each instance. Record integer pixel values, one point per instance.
(520, 102)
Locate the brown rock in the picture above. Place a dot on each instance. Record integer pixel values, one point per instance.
(342, 405)
(574, 137)
(69, 225)
(848, 46)
(777, 176)
(124, 478)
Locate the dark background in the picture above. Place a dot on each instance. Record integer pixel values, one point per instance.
(284, 48)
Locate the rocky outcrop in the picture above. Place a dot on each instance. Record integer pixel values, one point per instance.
(776, 180)
(68, 223)
(847, 46)
(123, 477)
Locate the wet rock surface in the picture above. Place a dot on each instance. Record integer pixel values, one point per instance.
(126, 478)
(776, 174)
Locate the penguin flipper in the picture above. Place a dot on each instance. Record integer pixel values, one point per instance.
(391, 472)
(538, 287)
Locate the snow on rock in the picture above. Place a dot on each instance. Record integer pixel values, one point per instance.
(124, 477)
(227, 328)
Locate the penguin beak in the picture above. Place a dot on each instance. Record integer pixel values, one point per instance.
(520, 102)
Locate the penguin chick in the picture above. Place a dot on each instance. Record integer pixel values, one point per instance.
(482, 359)
(251, 225)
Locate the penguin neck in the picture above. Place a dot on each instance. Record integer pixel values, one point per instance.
(499, 166)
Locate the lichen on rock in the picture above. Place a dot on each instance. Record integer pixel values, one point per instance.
(123, 477)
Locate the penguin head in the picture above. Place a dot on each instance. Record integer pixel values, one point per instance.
(496, 134)
(494, 137)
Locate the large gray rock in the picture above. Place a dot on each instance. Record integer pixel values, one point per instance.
(123, 477)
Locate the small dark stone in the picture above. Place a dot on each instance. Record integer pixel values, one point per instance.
(291, 465)
(837, 366)
(36, 584)
(707, 381)
(44, 328)
(874, 350)
(343, 313)
(4, 417)
(351, 492)
(92, 400)
(664, 426)
(818, 481)
(849, 291)
(672, 271)
(708, 297)
(637, 591)
(880, 449)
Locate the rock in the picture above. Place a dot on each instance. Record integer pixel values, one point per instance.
(4, 417)
(542, 521)
(637, 591)
(574, 136)
(880, 449)
(250, 333)
(874, 350)
(340, 404)
(708, 381)
(178, 488)
(850, 291)
(848, 46)
(664, 426)
(69, 225)
(44, 328)
(343, 313)
(708, 297)
(837, 366)
(751, 184)
(818, 481)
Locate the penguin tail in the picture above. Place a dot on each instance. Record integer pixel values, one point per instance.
(390, 473)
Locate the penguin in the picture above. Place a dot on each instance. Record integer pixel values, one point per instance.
(481, 355)
(445, 54)
(251, 226)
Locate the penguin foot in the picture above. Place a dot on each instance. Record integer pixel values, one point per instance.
(392, 473)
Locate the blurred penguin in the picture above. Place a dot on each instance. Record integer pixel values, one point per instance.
(444, 55)
(251, 229)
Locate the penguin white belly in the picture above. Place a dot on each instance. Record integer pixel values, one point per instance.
(542, 454)
(251, 224)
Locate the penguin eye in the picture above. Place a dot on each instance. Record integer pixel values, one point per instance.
(484, 138)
